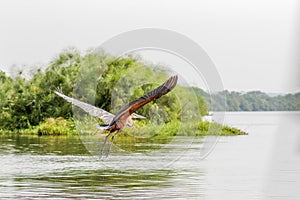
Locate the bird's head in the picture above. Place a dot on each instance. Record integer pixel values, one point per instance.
(136, 116)
(130, 122)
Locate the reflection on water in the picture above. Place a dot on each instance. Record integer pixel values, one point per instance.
(92, 183)
(60, 167)
(62, 145)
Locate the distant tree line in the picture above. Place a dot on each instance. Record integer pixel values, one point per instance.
(252, 101)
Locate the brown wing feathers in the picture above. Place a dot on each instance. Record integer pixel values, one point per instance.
(154, 94)
(132, 106)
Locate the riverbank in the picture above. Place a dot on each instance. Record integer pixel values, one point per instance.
(61, 126)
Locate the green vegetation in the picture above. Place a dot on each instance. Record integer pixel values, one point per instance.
(252, 101)
(29, 106)
(184, 129)
(142, 129)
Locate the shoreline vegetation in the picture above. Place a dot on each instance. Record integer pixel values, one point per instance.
(64, 127)
(28, 105)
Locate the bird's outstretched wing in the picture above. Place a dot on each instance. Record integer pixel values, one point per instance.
(92, 110)
(131, 107)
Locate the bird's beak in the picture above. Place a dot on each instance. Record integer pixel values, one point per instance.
(134, 115)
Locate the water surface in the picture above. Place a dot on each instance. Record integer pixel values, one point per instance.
(261, 165)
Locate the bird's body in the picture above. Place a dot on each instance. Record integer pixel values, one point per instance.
(124, 116)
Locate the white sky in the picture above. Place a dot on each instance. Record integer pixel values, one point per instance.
(252, 43)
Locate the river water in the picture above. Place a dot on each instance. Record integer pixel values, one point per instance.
(262, 165)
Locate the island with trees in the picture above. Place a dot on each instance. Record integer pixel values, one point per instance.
(29, 106)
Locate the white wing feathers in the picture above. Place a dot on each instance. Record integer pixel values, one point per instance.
(106, 117)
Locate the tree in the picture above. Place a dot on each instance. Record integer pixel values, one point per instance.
(97, 78)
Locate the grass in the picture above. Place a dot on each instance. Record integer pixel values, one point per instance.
(141, 130)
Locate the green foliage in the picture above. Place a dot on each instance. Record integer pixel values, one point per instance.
(227, 131)
(58, 126)
(29, 106)
(224, 130)
(165, 131)
(96, 78)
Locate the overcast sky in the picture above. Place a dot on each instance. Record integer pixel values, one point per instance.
(252, 43)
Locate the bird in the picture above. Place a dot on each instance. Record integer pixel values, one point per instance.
(114, 124)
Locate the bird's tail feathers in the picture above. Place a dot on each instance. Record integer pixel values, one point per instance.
(103, 127)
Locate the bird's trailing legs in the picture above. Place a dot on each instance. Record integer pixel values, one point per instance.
(112, 140)
(104, 144)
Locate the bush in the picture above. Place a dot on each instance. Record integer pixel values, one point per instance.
(58, 126)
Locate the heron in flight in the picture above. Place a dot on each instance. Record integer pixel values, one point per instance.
(115, 123)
